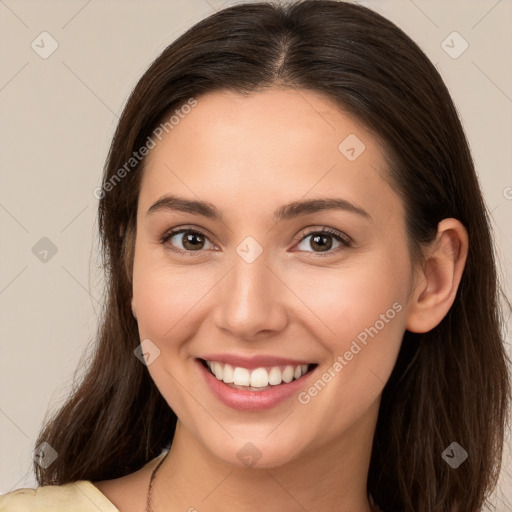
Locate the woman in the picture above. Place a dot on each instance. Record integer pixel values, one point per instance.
(302, 295)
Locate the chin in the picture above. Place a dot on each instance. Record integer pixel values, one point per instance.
(259, 452)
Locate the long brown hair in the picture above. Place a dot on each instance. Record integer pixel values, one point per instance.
(449, 384)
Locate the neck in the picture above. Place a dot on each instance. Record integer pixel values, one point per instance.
(329, 478)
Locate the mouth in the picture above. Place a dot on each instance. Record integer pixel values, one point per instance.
(256, 379)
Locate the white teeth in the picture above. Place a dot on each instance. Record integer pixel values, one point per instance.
(274, 377)
(257, 378)
(288, 374)
(228, 374)
(218, 370)
(241, 376)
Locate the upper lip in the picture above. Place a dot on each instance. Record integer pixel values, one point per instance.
(255, 361)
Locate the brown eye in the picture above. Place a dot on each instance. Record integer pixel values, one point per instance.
(322, 241)
(191, 240)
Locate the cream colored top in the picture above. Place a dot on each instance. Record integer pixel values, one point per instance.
(79, 496)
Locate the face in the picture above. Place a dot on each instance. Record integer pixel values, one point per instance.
(316, 294)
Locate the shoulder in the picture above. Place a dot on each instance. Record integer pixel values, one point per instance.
(79, 496)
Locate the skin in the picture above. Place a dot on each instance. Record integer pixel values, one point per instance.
(249, 155)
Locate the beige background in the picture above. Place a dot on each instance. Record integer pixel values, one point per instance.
(58, 117)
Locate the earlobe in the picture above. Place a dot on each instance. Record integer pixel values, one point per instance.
(133, 309)
(440, 277)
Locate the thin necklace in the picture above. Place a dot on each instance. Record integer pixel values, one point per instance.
(149, 497)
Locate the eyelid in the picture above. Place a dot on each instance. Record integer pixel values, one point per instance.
(324, 230)
(184, 229)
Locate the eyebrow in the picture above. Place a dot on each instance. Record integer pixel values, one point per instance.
(285, 212)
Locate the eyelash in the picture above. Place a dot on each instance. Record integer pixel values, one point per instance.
(345, 240)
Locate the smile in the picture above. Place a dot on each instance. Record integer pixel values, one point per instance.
(257, 379)
(254, 384)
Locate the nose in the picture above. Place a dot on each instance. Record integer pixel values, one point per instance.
(250, 300)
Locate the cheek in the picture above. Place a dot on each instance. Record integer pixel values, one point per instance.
(167, 299)
(358, 315)
(168, 296)
(352, 296)
(363, 320)
(162, 298)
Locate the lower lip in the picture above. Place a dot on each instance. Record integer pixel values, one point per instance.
(252, 400)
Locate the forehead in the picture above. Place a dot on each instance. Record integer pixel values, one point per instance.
(264, 149)
(280, 122)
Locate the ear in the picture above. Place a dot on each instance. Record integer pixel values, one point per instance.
(133, 309)
(437, 282)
